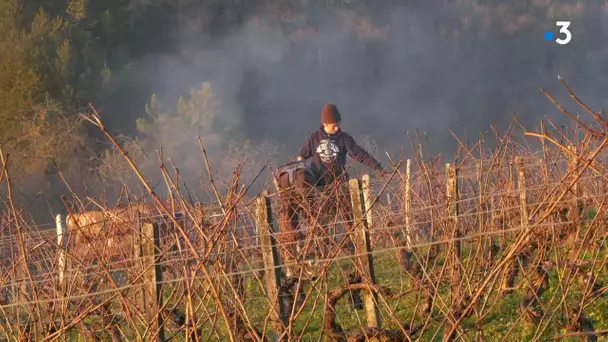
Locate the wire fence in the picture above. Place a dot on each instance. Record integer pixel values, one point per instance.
(420, 255)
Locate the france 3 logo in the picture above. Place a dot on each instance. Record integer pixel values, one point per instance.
(564, 35)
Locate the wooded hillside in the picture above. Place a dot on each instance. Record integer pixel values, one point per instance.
(250, 77)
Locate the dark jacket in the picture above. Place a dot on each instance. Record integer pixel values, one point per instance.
(328, 153)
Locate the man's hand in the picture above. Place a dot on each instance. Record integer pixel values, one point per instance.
(300, 158)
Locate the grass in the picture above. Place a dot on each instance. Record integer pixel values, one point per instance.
(503, 321)
(553, 263)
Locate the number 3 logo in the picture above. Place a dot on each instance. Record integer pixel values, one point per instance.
(563, 29)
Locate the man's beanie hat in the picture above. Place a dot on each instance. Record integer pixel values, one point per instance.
(330, 114)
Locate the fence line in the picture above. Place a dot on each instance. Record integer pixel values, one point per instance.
(327, 260)
(152, 254)
(52, 233)
(304, 230)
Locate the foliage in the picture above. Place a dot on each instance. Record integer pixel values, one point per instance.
(194, 116)
(76, 52)
(50, 142)
(176, 131)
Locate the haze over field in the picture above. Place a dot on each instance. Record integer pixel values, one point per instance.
(389, 66)
(394, 68)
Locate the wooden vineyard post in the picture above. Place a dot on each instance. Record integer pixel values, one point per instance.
(21, 270)
(545, 170)
(605, 187)
(452, 205)
(138, 260)
(572, 166)
(362, 248)
(367, 202)
(511, 202)
(453, 250)
(545, 160)
(523, 199)
(511, 271)
(482, 198)
(482, 207)
(573, 210)
(61, 238)
(265, 227)
(408, 205)
(17, 282)
(150, 299)
(20, 273)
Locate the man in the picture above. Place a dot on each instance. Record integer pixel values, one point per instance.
(327, 149)
(329, 146)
